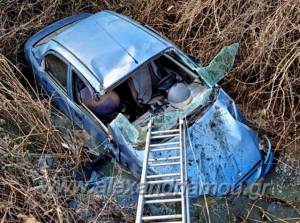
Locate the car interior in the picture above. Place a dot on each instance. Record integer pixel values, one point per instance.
(160, 85)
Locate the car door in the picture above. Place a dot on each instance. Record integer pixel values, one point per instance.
(56, 78)
(81, 114)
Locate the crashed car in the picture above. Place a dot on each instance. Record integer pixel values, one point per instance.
(111, 75)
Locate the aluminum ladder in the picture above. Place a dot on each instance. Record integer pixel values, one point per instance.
(180, 196)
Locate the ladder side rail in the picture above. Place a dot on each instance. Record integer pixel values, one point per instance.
(186, 175)
(183, 208)
(140, 206)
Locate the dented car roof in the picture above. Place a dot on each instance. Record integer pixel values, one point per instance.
(111, 45)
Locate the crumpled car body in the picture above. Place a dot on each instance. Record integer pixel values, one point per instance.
(104, 55)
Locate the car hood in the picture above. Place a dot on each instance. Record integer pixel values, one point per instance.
(221, 146)
(221, 149)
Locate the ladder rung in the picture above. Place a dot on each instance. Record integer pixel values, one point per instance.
(164, 149)
(164, 136)
(171, 200)
(161, 217)
(163, 175)
(164, 144)
(166, 131)
(164, 159)
(163, 164)
(162, 181)
(172, 140)
(162, 195)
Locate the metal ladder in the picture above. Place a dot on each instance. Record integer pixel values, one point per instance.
(157, 179)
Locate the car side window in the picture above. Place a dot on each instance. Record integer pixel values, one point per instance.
(82, 93)
(58, 69)
(84, 96)
(104, 107)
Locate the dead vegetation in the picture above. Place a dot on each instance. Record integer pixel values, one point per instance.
(265, 83)
(266, 77)
(30, 191)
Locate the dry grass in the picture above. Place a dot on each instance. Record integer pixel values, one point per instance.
(30, 190)
(265, 81)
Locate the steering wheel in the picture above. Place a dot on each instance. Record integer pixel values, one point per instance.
(166, 82)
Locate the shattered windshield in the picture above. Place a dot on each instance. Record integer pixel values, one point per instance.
(216, 70)
(220, 66)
